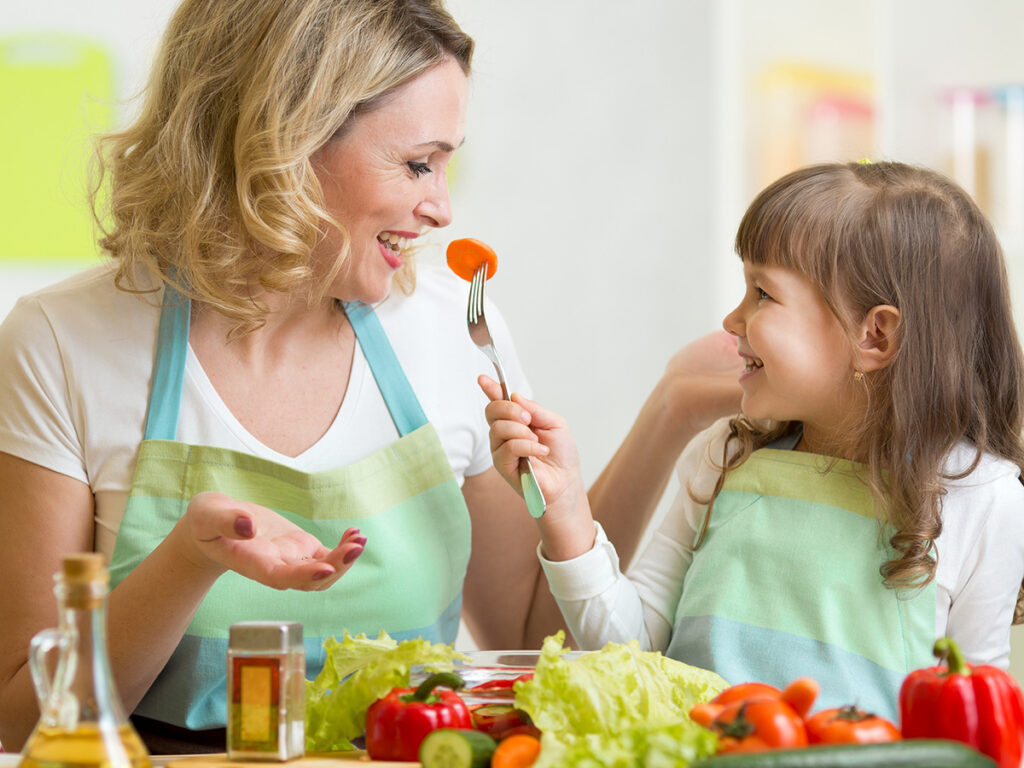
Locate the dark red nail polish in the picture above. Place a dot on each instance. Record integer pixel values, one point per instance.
(243, 527)
(360, 540)
(351, 555)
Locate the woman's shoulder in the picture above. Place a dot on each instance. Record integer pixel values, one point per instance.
(87, 306)
(91, 289)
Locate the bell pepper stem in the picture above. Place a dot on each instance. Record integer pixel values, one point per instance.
(947, 650)
(426, 689)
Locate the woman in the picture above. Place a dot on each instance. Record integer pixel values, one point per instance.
(220, 404)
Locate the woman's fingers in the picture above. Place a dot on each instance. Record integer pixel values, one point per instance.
(260, 544)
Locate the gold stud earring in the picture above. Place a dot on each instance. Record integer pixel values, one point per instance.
(858, 375)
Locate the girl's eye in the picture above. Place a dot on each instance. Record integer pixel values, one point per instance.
(419, 169)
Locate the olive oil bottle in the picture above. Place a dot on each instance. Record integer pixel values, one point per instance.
(82, 722)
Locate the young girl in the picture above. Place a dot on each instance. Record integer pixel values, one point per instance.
(868, 500)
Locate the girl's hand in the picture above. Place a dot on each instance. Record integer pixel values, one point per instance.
(260, 544)
(522, 428)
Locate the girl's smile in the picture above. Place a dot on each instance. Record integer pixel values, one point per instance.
(799, 360)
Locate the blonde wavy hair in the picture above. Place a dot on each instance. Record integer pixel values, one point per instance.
(889, 233)
(211, 188)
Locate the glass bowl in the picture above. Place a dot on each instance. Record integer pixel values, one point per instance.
(485, 668)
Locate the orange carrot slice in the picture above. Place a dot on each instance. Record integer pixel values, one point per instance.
(466, 254)
(800, 694)
(518, 751)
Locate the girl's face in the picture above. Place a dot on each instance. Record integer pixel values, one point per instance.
(799, 364)
(384, 179)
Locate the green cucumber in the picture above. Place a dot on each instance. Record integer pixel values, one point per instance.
(910, 753)
(456, 748)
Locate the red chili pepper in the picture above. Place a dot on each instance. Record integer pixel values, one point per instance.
(982, 706)
(398, 723)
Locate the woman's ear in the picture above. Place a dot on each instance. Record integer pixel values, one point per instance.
(879, 338)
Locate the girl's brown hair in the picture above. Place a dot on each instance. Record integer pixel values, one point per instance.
(889, 233)
(212, 186)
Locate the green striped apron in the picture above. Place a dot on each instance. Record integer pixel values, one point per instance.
(404, 498)
(787, 585)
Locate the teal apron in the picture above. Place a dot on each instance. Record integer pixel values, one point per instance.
(404, 498)
(786, 585)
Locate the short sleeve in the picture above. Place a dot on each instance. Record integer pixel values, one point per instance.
(37, 421)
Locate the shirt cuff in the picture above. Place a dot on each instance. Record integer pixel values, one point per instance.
(586, 576)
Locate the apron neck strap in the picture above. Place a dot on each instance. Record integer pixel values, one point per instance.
(168, 366)
(172, 350)
(402, 403)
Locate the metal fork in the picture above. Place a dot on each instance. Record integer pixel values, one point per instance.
(481, 336)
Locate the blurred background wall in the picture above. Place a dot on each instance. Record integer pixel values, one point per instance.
(612, 148)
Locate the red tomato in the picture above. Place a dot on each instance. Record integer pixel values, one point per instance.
(742, 691)
(757, 724)
(849, 725)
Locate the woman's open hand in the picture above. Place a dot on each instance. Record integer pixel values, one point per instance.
(260, 544)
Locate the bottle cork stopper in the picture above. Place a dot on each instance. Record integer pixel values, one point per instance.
(83, 567)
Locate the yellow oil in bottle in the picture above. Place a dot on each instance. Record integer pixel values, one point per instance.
(85, 747)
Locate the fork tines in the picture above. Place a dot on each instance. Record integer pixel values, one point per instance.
(476, 294)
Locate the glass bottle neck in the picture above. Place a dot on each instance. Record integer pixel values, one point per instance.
(89, 678)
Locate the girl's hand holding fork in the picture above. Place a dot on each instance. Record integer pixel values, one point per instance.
(522, 428)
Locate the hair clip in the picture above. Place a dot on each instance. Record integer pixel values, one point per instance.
(864, 161)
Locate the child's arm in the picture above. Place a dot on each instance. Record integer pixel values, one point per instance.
(522, 428)
(699, 386)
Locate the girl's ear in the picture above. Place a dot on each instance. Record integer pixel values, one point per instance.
(879, 338)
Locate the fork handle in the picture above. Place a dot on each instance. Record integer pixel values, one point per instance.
(532, 494)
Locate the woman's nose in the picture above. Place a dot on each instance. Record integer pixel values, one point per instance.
(436, 207)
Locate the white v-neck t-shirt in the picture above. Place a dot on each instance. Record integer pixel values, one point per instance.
(76, 360)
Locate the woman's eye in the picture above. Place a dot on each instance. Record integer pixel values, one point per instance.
(418, 169)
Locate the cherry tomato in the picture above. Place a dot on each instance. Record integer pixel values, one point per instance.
(757, 724)
(849, 725)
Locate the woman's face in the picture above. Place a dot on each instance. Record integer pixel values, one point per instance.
(384, 179)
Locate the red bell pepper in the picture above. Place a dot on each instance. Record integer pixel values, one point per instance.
(398, 723)
(980, 705)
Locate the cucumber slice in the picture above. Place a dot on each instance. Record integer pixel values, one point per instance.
(456, 748)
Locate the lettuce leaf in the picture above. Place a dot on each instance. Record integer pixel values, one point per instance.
(617, 706)
(358, 671)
